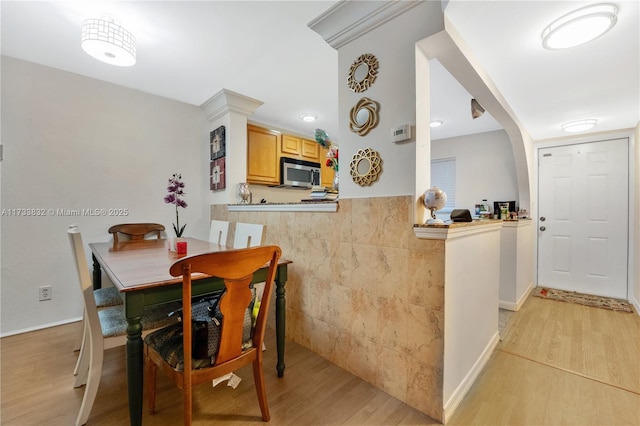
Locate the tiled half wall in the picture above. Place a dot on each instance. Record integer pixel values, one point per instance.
(364, 292)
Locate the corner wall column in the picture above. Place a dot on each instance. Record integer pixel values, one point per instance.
(230, 109)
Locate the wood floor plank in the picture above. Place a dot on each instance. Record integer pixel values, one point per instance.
(594, 342)
(558, 364)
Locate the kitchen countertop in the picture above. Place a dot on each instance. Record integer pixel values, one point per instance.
(307, 206)
(475, 222)
(443, 231)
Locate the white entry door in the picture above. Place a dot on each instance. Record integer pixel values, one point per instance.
(583, 217)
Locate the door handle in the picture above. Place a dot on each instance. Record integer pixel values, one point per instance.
(542, 228)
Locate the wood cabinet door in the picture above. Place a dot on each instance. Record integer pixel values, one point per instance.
(310, 151)
(262, 156)
(326, 173)
(291, 146)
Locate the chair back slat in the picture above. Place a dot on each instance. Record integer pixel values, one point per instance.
(84, 278)
(135, 231)
(248, 235)
(219, 232)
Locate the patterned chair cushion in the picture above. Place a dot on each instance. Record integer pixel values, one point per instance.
(114, 323)
(107, 296)
(206, 334)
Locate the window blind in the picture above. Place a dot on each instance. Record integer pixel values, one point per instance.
(443, 176)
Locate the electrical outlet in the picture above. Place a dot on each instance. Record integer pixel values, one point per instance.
(45, 292)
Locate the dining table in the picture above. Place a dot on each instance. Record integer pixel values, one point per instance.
(140, 272)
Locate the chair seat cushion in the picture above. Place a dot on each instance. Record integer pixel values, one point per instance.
(107, 296)
(167, 342)
(114, 323)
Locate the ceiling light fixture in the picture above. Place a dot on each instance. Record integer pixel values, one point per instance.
(436, 123)
(579, 125)
(476, 109)
(580, 26)
(308, 117)
(105, 40)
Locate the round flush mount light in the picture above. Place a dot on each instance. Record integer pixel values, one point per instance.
(579, 125)
(436, 123)
(105, 40)
(308, 117)
(580, 26)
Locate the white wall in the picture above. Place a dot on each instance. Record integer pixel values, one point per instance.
(471, 308)
(484, 167)
(71, 142)
(393, 44)
(635, 191)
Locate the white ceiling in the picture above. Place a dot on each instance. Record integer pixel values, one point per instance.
(188, 51)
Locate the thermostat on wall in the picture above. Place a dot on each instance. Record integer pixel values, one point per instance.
(401, 133)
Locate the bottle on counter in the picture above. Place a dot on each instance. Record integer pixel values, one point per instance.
(484, 210)
(487, 207)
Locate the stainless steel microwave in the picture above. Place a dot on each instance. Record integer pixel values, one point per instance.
(298, 173)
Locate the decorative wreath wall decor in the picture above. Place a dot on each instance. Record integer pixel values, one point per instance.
(364, 116)
(365, 166)
(363, 73)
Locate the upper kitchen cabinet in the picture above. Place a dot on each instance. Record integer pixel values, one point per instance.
(304, 149)
(263, 147)
(326, 173)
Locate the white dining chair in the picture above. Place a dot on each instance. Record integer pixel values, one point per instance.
(106, 328)
(248, 235)
(105, 297)
(219, 231)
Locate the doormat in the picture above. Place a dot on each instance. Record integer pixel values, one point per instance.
(583, 299)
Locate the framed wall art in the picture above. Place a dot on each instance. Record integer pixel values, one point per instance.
(363, 73)
(218, 151)
(363, 116)
(218, 143)
(217, 174)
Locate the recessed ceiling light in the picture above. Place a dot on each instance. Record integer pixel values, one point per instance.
(436, 123)
(579, 125)
(580, 26)
(308, 117)
(105, 40)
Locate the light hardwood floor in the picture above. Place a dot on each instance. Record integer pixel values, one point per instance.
(559, 364)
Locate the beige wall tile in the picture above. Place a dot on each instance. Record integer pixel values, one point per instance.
(364, 292)
(425, 278)
(426, 340)
(424, 389)
(392, 373)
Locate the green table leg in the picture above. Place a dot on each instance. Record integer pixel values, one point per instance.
(134, 351)
(97, 273)
(281, 279)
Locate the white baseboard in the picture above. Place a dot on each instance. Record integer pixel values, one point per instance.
(460, 392)
(636, 304)
(524, 296)
(511, 306)
(40, 327)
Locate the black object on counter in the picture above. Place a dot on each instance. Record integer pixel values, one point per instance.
(460, 215)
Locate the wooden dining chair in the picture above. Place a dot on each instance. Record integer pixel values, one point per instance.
(170, 349)
(135, 231)
(248, 235)
(218, 232)
(107, 328)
